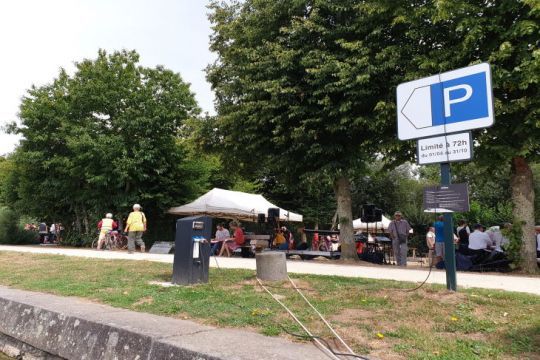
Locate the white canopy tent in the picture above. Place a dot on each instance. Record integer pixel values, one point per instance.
(232, 205)
(361, 226)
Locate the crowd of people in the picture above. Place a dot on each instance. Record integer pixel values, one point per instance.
(47, 234)
(135, 226)
(479, 245)
(476, 246)
(224, 244)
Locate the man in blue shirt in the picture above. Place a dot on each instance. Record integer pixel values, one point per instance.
(439, 238)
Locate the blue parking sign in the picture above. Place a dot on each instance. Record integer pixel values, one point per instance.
(460, 99)
(451, 102)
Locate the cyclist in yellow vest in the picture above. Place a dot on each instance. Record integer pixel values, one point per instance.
(135, 226)
(105, 225)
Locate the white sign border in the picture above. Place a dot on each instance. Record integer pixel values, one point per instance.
(433, 131)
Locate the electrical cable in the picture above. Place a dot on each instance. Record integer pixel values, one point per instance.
(422, 284)
(322, 318)
(283, 287)
(215, 259)
(317, 341)
(426, 279)
(301, 336)
(311, 336)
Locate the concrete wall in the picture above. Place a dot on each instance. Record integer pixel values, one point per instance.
(76, 329)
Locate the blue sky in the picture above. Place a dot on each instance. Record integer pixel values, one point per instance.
(38, 37)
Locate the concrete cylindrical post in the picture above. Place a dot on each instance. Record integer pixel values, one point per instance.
(271, 266)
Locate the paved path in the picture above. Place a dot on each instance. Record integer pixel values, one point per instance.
(464, 279)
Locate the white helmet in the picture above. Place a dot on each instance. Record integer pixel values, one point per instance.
(108, 216)
(136, 206)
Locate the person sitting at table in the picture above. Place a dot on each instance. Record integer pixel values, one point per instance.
(325, 244)
(479, 243)
(280, 241)
(289, 238)
(303, 239)
(497, 238)
(334, 243)
(234, 242)
(221, 235)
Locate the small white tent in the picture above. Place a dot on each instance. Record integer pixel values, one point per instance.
(361, 226)
(232, 204)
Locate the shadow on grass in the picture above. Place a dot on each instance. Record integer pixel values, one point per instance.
(524, 340)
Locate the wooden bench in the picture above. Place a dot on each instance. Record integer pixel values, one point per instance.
(253, 243)
(309, 254)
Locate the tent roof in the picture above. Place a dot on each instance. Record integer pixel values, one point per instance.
(359, 225)
(232, 204)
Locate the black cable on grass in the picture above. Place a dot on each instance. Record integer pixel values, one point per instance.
(311, 337)
(422, 284)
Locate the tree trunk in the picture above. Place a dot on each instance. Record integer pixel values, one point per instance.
(86, 223)
(523, 200)
(342, 189)
(334, 221)
(78, 227)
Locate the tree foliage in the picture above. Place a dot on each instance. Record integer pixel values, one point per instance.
(307, 87)
(102, 139)
(505, 33)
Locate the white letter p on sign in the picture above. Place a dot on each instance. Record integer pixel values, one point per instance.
(448, 102)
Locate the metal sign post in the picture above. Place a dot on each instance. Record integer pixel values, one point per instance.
(438, 110)
(449, 256)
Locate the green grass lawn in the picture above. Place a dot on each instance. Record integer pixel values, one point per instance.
(375, 317)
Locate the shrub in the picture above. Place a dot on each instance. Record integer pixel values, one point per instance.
(513, 248)
(77, 240)
(11, 232)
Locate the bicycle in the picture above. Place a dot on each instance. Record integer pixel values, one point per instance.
(113, 240)
(118, 240)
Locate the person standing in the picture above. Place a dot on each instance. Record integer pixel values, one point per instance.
(430, 242)
(439, 238)
(399, 230)
(135, 227)
(52, 231)
(538, 241)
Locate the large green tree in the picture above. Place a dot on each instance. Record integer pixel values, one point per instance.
(102, 139)
(306, 87)
(504, 33)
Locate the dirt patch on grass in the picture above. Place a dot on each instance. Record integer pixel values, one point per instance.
(182, 316)
(386, 353)
(352, 315)
(303, 285)
(441, 296)
(147, 300)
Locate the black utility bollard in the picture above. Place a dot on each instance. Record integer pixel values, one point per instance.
(192, 250)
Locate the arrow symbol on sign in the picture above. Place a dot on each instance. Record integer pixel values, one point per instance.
(417, 109)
